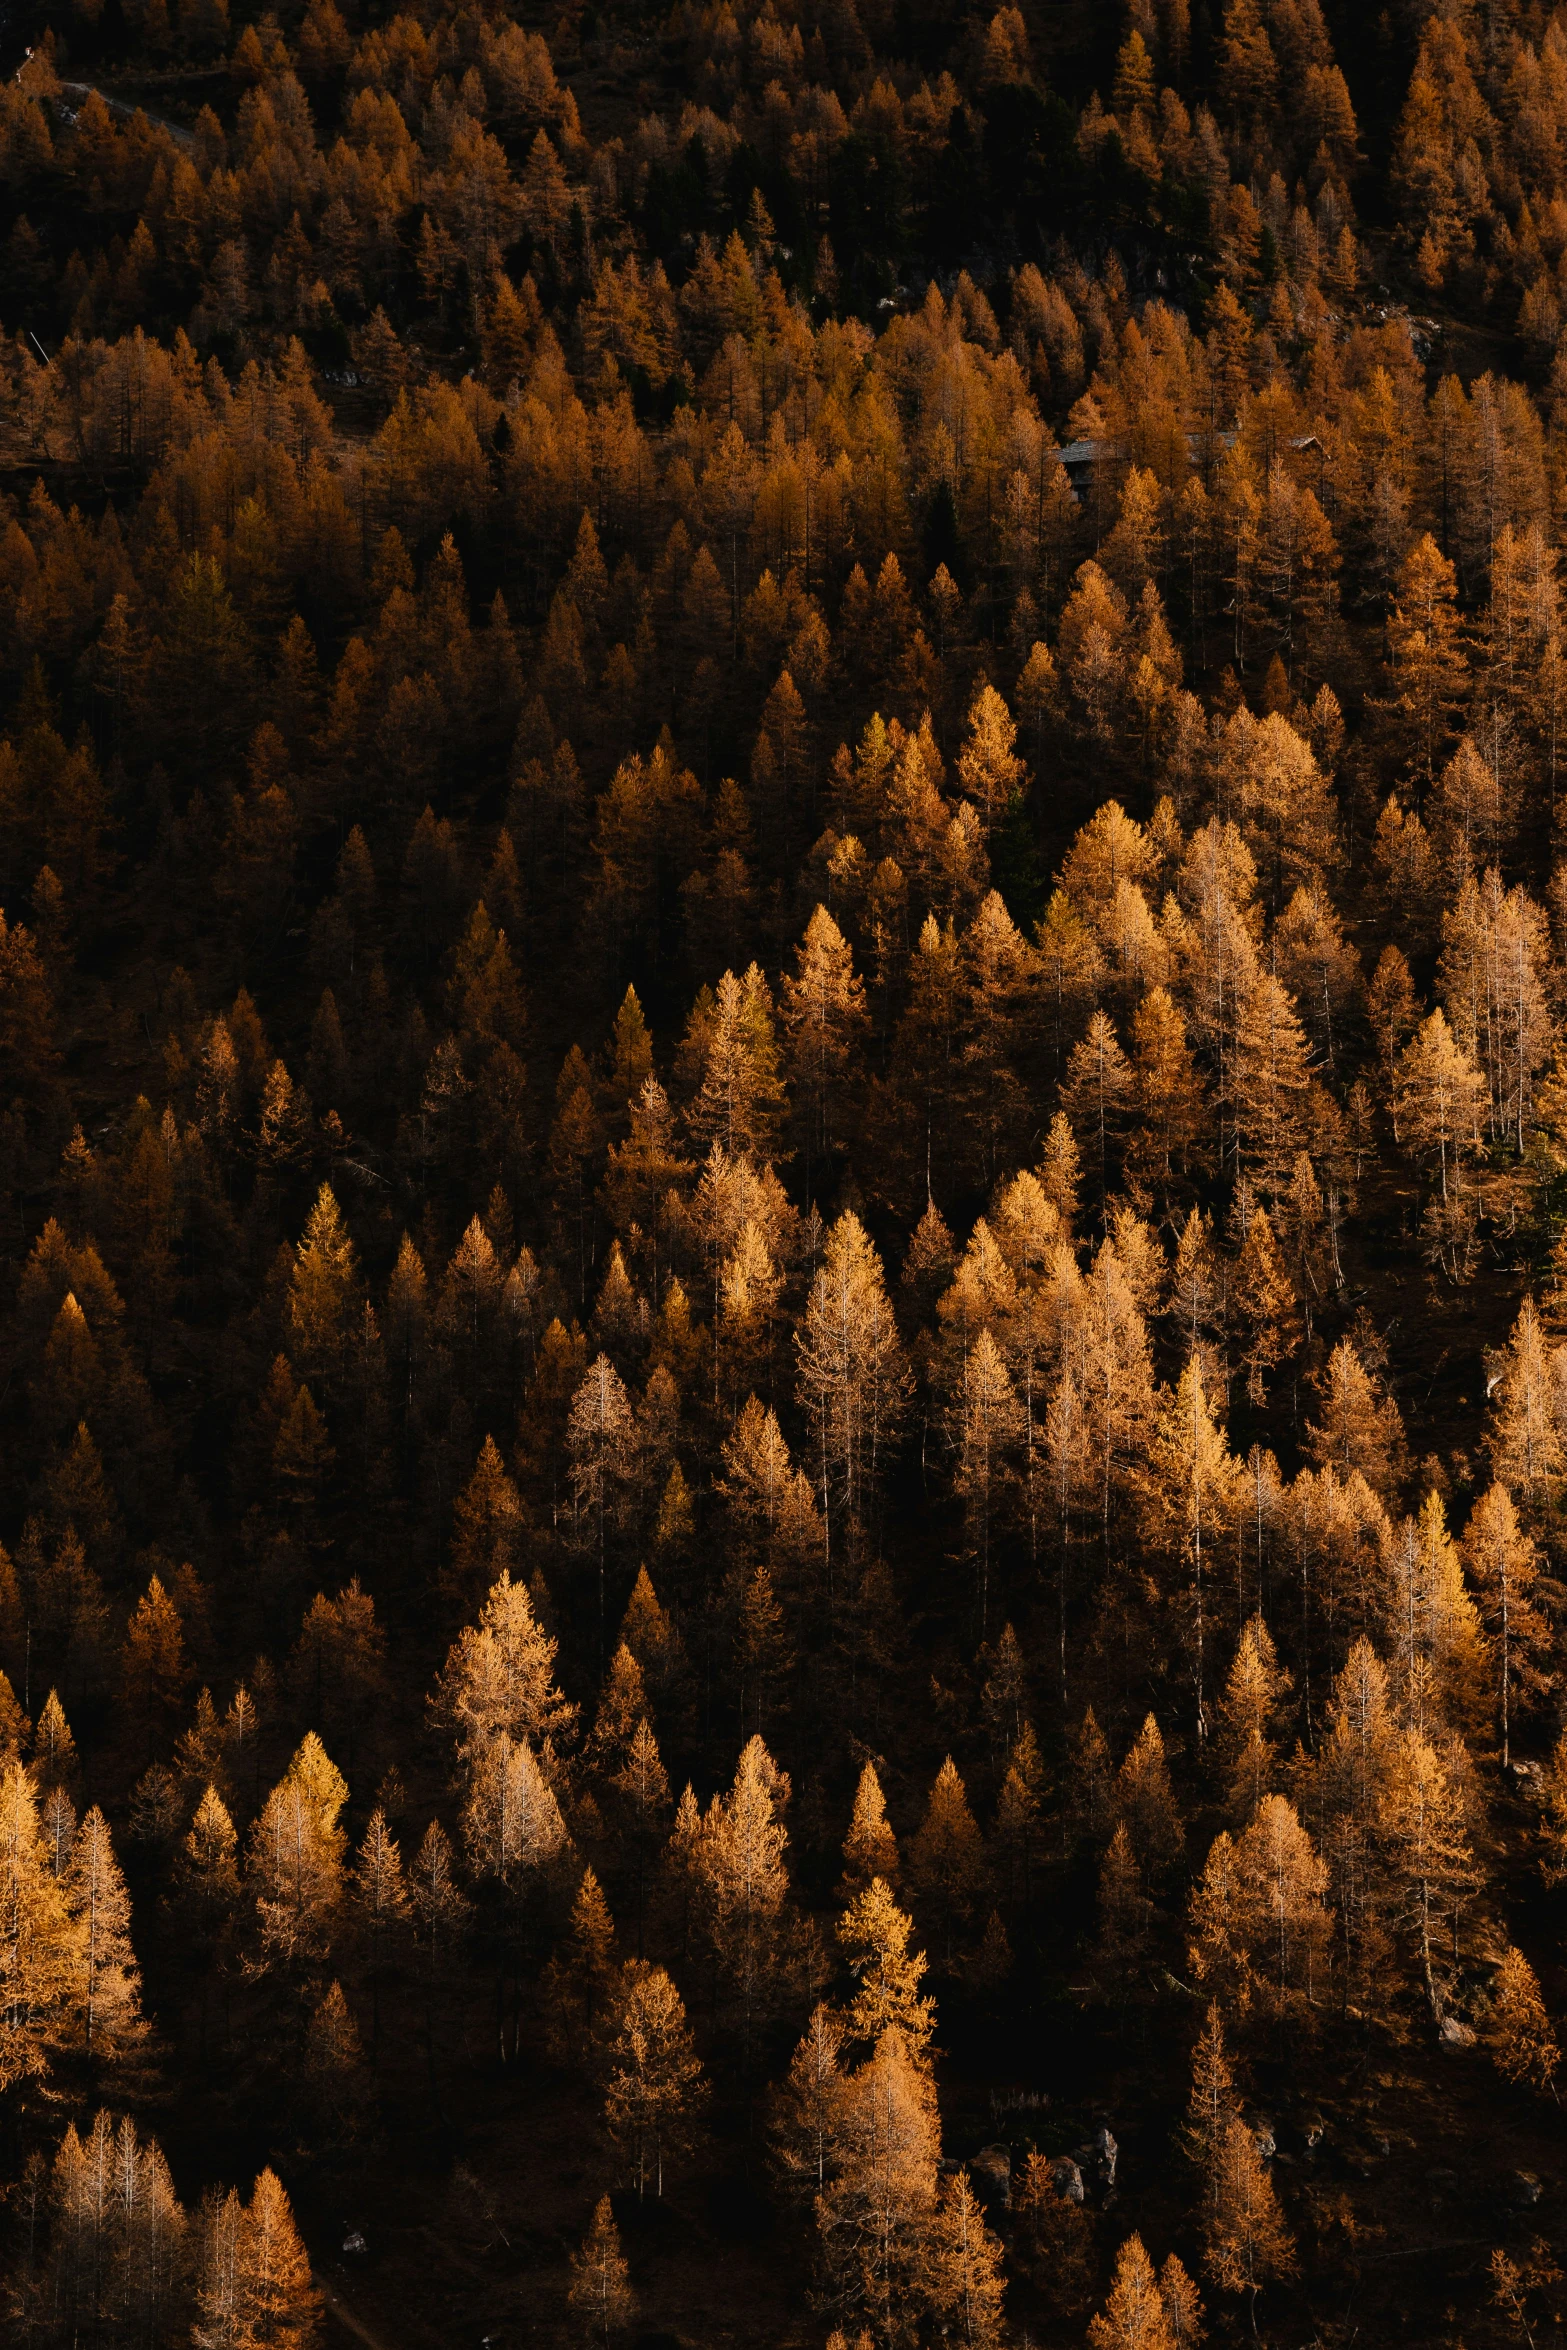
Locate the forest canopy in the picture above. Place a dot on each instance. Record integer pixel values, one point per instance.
(783, 1174)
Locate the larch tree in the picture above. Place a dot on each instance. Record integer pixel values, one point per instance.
(875, 2213)
(653, 1640)
(1091, 1782)
(1344, 1796)
(205, 1896)
(59, 1827)
(1430, 675)
(1018, 1819)
(622, 1704)
(1170, 1118)
(1524, 2046)
(294, 1870)
(15, 1728)
(1246, 2244)
(1433, 1626)
(852, 1378)
(41, 1945)
(512, 1833)
(1191, 1490)
(825, 1020)
(1144, 1799)
(499, 1676)
(962, 2283)
(873, 1934)
(1183, 2307)
(1123, 1921)
(1525, 1438)
(1553, 1864)
(989, 768)
(149, 2248)
(577, 1985)
(334, 2087)
(1060, 1170)
(600, 2292)
(987, 1422)
(1270, 1080)
(1195, 1303)
(946, 1860)
(84, 2195)
(772, 1511)
(1437, 1100)
(1038, 696)
(109, 2017)
(1393, 1010)
(679, 1893)
(487, 1524)
(324, 1297)
(1504, 1568)
(1134, 2316)
(1359, 1429)
(746, 1885)
(441, 1916)
(804, 2115)
(763, 1651)
(1098, 1094)
(221, 2317)
(1523, 2289)
(1210, 2108)
(1114, 1379)
(280, 2299)
(54, 1758)
(253, 2280)
(379, 1899)
(870, 1849)
(630, 1049)
(750, 1285)
(640, 1795)
(339, 1663)
(601, 1438)
(1283, 1881)
(154, 1674)
(1495, 959)
(1265, 1303)
(654, 2084)
(741, 1101)
(1249, 1711)
(1432, 1865)
(996, 1026)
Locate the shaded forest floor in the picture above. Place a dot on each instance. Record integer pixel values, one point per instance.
(1420, 2171)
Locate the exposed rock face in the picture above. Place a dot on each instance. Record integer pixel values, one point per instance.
(1067, 2178)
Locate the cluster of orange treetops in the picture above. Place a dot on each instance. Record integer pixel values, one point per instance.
(717, 1088)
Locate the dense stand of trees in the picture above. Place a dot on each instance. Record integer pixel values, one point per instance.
(783, 1115)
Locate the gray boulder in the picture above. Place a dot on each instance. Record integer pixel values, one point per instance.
(1097, 2160)
(991, 2174)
